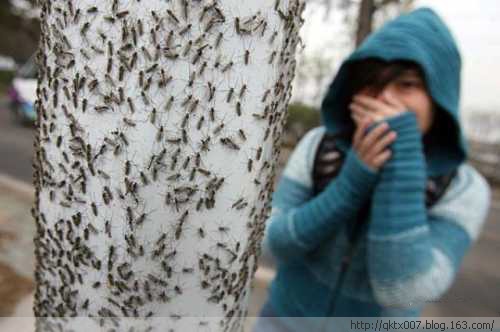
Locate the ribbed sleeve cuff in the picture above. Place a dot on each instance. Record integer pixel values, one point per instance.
(407, 150)
(406, 126)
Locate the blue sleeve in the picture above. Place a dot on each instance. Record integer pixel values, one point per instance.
(414, 254)
(299, 223)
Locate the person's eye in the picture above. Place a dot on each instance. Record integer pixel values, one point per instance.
(409, 84)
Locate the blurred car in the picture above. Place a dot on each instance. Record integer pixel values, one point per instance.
(22, 93)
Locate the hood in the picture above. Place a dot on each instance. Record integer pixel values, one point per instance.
(421, 37)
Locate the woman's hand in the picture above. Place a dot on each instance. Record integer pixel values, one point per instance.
(377, 109)
(371, 147)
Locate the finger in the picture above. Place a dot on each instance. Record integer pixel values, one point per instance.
(372, 136)
(370, 103)
(382, 158)
(364, 113)
(381, 144)
(364, 123)
(381, 113)
(356, 118)
(354, 106)
(392, 100)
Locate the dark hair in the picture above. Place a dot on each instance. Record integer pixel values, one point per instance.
(377, 73)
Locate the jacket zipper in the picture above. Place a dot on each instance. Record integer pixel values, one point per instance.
(346, 260)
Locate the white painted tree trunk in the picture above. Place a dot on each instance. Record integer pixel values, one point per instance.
(159, 127)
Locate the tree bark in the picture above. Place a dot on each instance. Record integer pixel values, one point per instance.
(159, 127)
(365, 20)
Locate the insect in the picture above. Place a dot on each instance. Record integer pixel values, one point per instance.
(201, 232)
(271, 58)
(94, 209)
(237, 25)
(186, 101)
(204, 144)
(247, 57)
(238, 108)
(212, 114)
(230, 95)
(133, 61)
(242, 134)
(229, 143)
(194, 105)
(152, 68)
(172, 16)
(130, 104)
(168, 105)
(259, 153)
(200, 122)
(226, 67)
(218, 40)
(186, 29)
(123, 137)
(187, 48)
(140, 219)
(192, 76)
(243, 90)
(144, 178)
(110, 65)
(202, 68)
(107, 227)
(122, 14)
(129, 122)
(127, 167)
(218, 128)
(152, 117)
(169, 39)
(273, 37)
(186, 162)
(211, 91)
(85, 28)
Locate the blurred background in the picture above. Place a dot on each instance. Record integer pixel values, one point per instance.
(332, 30)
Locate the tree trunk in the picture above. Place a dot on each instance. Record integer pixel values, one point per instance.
(159, 126)
(365, 20)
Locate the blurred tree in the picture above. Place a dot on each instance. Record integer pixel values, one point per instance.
(18, 22)
(360, 18)
(366, 12)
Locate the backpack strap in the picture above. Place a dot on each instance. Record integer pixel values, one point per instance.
(327, 162)
(436, 187)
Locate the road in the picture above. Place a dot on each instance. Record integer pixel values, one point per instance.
(474, 293)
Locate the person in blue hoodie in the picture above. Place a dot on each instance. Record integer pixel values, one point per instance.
(377, 207)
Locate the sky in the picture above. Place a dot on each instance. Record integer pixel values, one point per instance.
(475, 25)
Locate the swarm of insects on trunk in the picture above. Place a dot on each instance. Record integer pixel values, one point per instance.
(158, 128)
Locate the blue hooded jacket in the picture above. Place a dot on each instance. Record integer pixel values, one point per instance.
(407, 254)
